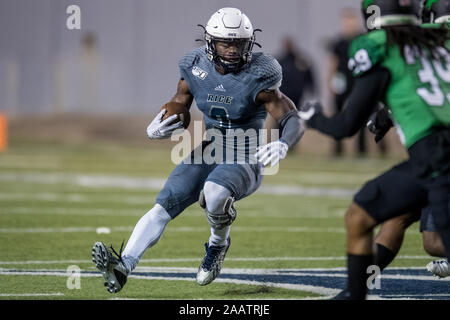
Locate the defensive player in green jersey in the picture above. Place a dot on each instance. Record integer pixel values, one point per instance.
(411, 72)
(433, 14)
(407, 68)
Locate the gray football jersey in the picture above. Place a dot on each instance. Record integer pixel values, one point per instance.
(229, 101)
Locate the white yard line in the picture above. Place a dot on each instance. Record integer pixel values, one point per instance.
(197, 259)
(310, 176)
(381, 277)
(72, 211)
(43, 262)
(285, 190)
(175, 229)
(52, 230)
(84, 180)
(95, 211)
(43, 272)
(156, 184)
(182, 229)
(332, 272)
(288, 272)
(404, 257)
(74, 197)
(31, 294)
(299, 287)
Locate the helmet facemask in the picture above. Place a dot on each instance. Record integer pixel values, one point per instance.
(232, 62)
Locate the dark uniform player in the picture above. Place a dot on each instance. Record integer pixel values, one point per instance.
(434, 14)
(394, 65)
(235, 89)
(341, 79)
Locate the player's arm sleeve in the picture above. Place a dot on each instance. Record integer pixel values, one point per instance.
(367, 91)
(291, 128)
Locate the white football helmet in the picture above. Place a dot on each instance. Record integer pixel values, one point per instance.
(230, 25)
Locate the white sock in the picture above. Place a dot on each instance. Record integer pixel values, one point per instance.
(219, 236)
(215, 197)
(146, 234)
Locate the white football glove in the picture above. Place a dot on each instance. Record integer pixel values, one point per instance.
(271, 153)
(158, 129)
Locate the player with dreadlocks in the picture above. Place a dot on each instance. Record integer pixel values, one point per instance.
(433, 14)
(436, 14)
(408, 69)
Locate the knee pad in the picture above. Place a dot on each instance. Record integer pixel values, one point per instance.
(222, 217)
(215, 195)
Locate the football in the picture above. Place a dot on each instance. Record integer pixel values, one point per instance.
(177, 108)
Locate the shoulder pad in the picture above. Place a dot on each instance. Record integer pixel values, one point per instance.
(367, 51)
(266, 69)
(190, 58)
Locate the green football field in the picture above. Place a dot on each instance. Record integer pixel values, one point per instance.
(55, 197)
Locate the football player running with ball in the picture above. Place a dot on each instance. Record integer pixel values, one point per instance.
(234, 88)
(408, 69)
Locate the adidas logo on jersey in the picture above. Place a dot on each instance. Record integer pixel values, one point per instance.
(220, 88)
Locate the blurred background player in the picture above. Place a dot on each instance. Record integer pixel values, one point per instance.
(298, 73)
(298, 77)
(387, 64)
(340, 79)
(224, 67)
